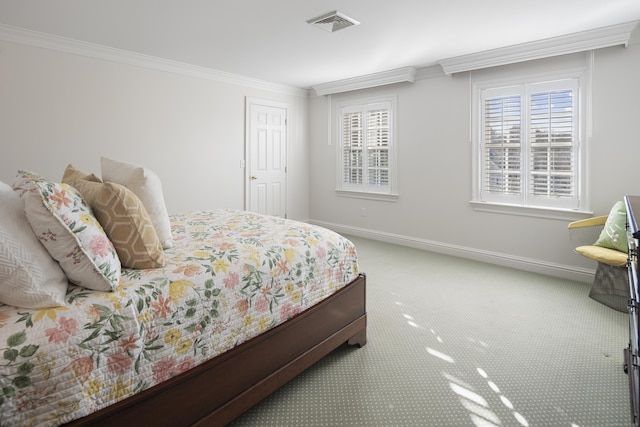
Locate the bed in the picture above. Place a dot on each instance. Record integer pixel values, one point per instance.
(243, 303)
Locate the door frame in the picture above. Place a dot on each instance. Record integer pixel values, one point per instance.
(250, 102)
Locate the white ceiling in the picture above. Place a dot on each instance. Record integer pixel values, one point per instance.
(270, 39)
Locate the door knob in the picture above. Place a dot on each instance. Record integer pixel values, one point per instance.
(254, 177)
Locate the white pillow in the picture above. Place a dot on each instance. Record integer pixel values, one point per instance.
(29, 277)
(62, 221)
(147, 186)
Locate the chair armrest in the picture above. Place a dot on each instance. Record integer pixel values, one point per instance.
(604, 255)
(589, 222)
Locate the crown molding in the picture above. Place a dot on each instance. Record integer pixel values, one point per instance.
(578, 42)
(62, 44)
(399, 75)
(635, 36)
(429, 72)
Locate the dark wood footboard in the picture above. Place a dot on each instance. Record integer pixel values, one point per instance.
(216, 392)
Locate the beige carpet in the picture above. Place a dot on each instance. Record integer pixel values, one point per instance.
(453, 342)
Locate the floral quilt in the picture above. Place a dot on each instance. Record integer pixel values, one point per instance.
(230, 276)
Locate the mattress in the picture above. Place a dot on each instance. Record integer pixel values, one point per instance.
(230, 276)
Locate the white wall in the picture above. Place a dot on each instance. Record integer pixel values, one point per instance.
(58, 108)
(434, 160)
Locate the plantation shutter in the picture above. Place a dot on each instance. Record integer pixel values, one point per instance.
(552, 143)
(529, 143)
(352, 137)
(378, 142)
(502, 145)
(366, 147)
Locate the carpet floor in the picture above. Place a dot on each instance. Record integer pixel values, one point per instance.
(454, 342)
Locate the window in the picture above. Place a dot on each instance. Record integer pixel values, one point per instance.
(528, 144)
(366, 156)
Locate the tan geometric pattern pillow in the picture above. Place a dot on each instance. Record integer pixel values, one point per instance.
(123, 218)
(71, 175)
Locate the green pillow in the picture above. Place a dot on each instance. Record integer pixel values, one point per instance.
(614, 233)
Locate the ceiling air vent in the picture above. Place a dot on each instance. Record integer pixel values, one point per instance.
(333, 21)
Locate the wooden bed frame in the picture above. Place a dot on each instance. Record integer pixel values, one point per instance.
(218, 391)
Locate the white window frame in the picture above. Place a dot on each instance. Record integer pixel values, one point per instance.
(365, 189)
(525, 203)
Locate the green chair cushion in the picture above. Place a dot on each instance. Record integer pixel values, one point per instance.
(614, 233)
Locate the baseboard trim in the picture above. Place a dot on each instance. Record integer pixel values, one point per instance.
(497, 258)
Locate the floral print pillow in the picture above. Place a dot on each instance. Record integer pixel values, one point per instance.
(65, 225)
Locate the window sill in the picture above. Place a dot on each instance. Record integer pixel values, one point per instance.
(369, 196)
(536, 212)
